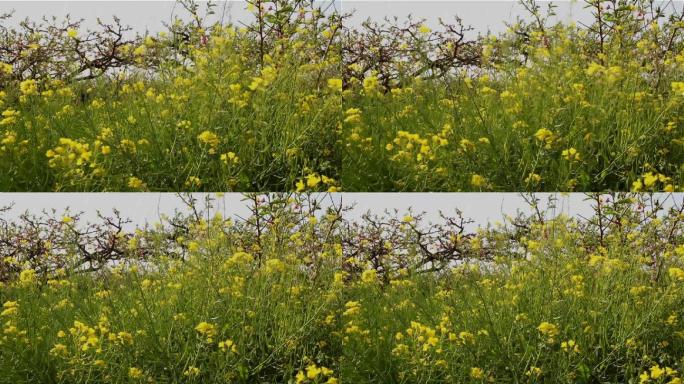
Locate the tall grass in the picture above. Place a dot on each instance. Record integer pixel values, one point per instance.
(302, 295)
(543, 106)
(300, 101)
(219, 107)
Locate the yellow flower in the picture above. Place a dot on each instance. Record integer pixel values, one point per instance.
(274, 265)
(300, 377)
(28, 87)
(466, 337)
(353, 115)
(570, 346)
(6, 68)
(335, 84)
(135, 373)
(594, 68)
(72, 33)
(9, 308)
(650, 179)
(124, 338)
(10, 116)
(544, 135)
(192, 371)
(313, 180)
(230, 158)
(656, 372)
(424, 29)
(193, 182)
(206, 329)
(533, 178)
(352, 308)
(268, 75)
(97, 103)
(59, 349)
(678, 88)
(477, 181)
(227, 345)
(140, 51)
(239, 258)
(548, 329)
(209, 138)
(312, 371)
(128, 146)
(672, 320)
(370, 84)
(676, 273)
(571, 154)
(135, 183)
(27, 277)
(534, 371)
(369, 276)
(477, 373)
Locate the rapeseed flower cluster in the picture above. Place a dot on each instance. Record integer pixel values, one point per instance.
(212, 114)
(229, 307)
(565, 118)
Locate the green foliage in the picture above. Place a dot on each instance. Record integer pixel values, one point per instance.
(298, 293)
(197, 107)
(543, 106)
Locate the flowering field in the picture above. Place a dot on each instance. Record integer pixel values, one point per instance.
(543, 106)
(199, 106)
(300, 100)
(295, 293)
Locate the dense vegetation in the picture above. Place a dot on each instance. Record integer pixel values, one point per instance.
(301, 293)
(543, 106)
(197, 107)
(298, 99)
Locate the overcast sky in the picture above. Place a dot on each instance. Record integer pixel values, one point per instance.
(482, 15)
(141, 15)
(150, 15)
(147, 207)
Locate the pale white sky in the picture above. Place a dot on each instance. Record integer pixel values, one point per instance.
(147, 207)
(149, 14)
(482, 15)
(141, 15)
